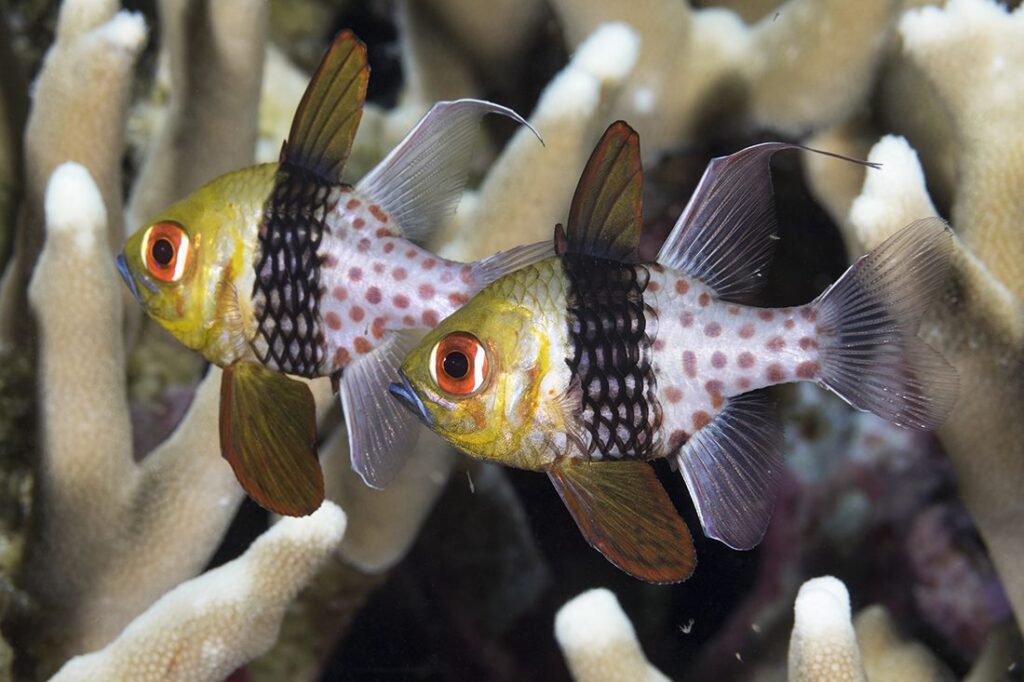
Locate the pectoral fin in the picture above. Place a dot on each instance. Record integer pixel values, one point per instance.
(268, 435)
(624, 513)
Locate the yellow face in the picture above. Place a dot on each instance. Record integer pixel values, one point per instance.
(181, 265)
(476, 378)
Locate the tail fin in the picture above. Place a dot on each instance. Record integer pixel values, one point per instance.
(867, 325)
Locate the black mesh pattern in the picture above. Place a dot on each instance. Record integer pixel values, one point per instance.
(610, 331)
(286, 293)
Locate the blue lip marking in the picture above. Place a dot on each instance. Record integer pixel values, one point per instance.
(126, 275)
(403, 391)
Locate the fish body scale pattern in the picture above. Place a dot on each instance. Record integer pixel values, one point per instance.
(610, 340)
(286, 291)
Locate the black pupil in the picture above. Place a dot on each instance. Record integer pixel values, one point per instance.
(456, 364)
(163, 251)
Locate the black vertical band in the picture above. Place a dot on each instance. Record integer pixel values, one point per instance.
(286, 293)
(611, 346)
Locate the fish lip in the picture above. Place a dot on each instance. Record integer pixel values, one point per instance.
(407, 396)
(126, 275)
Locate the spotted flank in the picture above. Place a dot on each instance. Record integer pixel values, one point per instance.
(597, 362)
(286, 269)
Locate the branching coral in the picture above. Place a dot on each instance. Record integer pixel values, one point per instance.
(206, 627)
(823, 645)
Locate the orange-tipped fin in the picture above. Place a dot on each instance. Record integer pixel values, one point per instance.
(624, 513)
(268, 435)
(325, 122)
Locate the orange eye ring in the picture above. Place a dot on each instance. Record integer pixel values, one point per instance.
(458, 364)
(166, 251)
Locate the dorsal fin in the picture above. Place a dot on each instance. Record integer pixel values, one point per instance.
(725, 236)
(605, 217)
(325, 122)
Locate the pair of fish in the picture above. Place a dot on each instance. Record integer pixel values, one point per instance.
(578, 359)
(284, 268)
(589, 363)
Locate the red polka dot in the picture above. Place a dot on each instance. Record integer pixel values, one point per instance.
(458, 298)
(389, 247)
(357, 313)
(766, 315)
(401, 301)
(378, 213)
(382, 232)
(775, 373)
(807, 343)
(426, 292)
(746, 360)
(677, 439)
(746, 331)
(654, 287)
(659, 344)
(364, 245)
(373, 295)
(409, 321)
(333, 320)
(673, 394)
(447, 277)
(362, 345)
(352, 204)
(358, 223)
(789, 324)
(775, 344)
(733, 310)
(341, 357)
(690, 363)
(377, 328)
(704, 299)
(686, 319)
(807, 370)
(714, 387)
(713, 329)
(718, 359)
(355, 274)
(743, 383)
(428, 263)
(430, 318)
(340, 293)
(700, 419)
(399, 274)
(809, 313)
(682, 286)
(378, 267)
(466, 274)
(329, 261)
(411, 253)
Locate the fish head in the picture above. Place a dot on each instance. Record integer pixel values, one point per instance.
(176, 265)
(474, 379)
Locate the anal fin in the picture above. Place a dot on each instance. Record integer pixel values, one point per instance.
(381, 432)
(268, 436)
(732, 467)
(624, 513)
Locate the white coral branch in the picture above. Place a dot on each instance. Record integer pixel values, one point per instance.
(823, 645)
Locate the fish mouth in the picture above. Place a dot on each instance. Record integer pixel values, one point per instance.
(126, 275)
(407, 396)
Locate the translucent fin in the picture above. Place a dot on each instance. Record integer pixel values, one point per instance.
(381, 432)
(268, 435)
(420, 182)
(624, 513)
(725, 235)
(867, 325)
(325, 122)
(501, 263)
(731, 468)
(605, 218)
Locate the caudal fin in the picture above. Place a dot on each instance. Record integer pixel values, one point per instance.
(867, 325)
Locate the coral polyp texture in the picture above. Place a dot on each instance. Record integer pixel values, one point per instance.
(126, 551)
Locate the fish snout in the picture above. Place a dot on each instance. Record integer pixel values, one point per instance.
(407, 396)
(126, 275)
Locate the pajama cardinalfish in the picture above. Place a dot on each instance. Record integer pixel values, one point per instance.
(285, 268)
(586, 364)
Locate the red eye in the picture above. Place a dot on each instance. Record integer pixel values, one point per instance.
(166, 251)
(458, 364)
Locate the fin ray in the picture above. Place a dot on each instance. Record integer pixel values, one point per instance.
(420, 182)
(606, 215)
(497, 265)
(624, 513)
(867, 325)
(268, 436)
(381, 433)
(732, 467)
(325, 123)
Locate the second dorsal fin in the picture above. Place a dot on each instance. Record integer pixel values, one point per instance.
(325, 122)
(605, 217)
